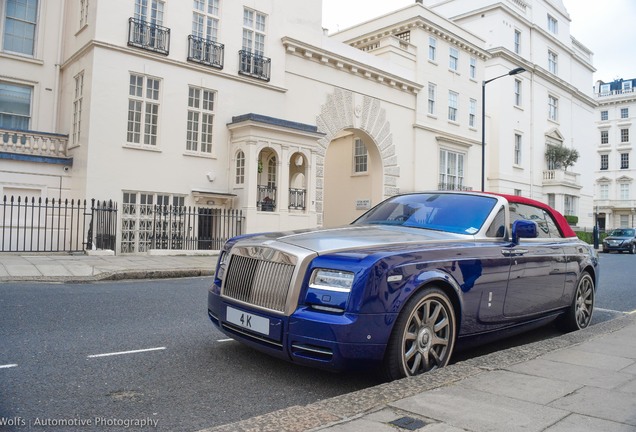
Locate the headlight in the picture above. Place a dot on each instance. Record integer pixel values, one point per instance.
(331, 280)
(222, 264)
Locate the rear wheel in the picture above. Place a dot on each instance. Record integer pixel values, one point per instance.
(579, 315)
(423, 336)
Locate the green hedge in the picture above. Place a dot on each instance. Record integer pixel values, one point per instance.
(588, 236)
(572, 220)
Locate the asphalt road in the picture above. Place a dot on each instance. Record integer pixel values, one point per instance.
(112, 354)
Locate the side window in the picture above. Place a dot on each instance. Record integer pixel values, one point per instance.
(497, 228)
(547, 227)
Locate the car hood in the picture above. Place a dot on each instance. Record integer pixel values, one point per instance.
(356, 237)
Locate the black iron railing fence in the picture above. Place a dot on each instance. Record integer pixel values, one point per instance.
(192, 228)
(30, 224)
(55, 225)
(254, 65)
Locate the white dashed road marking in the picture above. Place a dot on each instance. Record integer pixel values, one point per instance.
(7, 366)
(126, 352)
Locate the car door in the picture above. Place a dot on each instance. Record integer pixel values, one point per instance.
(538, 266)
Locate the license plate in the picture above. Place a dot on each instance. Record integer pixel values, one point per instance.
(248, 321)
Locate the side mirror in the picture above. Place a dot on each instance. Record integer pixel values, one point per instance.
(523, 229)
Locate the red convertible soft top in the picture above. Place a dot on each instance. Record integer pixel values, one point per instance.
(564, 227)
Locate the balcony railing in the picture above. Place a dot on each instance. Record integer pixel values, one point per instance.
(254, 65)
(33, 143)
(453, 187)
(297, 199)
(205, 51)
(266, 198)
(616, 92)
(559, 176)
(149, 36)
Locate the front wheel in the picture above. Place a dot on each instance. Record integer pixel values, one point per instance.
(423, 336)
(579, 314)
(632, 248)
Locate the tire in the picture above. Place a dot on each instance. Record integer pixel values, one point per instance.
(423, 336)
(579, 314)
(632, 248)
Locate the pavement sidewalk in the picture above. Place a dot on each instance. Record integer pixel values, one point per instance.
(583, 381)
(91, 268)
(580, 381)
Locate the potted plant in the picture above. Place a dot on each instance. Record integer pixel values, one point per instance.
(561, 157)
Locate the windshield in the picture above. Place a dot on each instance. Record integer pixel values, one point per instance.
(623, 233)
(455, 213)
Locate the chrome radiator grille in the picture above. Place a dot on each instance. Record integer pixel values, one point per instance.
(258, 282)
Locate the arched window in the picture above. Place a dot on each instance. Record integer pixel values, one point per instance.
(240, 167)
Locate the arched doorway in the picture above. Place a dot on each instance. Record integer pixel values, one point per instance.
(340, 194)
(353, 178)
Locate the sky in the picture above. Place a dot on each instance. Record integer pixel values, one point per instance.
(608, 31)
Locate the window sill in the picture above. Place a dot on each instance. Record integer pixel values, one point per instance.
(519, 107)
(517, 167)
(81, 29)
(199, 155)
(454, 123)
(142, 147)
(433, 62)
(432, 116)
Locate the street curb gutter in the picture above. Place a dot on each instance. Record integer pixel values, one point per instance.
(344, 408)
(115, 276)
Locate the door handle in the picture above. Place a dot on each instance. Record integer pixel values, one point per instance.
(514, 252)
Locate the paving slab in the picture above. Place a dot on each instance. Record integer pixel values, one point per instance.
(622, 348)
(583, 375)
(524, 387)
(600, 403)
(53, 270)
(580, 423)
(479, 411)
(22, 270)
(596, 360)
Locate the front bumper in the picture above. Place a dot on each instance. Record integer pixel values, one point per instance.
(311, 338)
(622, 247)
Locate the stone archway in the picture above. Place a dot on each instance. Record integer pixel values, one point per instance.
(345, 110)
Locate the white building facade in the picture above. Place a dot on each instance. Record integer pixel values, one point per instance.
(250, 106)
(549, 105)
(615, 203)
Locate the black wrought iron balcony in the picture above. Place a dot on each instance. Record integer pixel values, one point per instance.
(266, 198)
(254, 65)
(205, 51)
(297, 199)
(149, 36)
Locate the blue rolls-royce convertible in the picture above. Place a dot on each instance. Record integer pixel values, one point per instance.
(402, 285)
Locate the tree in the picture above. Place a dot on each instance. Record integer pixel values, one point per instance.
(561, 157)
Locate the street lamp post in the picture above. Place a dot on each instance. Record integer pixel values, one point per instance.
(483, 120)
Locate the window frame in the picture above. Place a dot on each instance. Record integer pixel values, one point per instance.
(201, 140)
(78, 97)
(453, 59)
(553, 62)
(624, 113)
(624, 161)
(604, 162)
(432, 97)
(360, 157)
(517, 92)
(239, 178)
(453, 106)
(30, 23)
(604, 115)
(624, 135)
(553, 108)
(553, 25)
(432, 48)
(24, 119)
(149, 130)
(604, 137)
(472, 112)
(451, 166)
(518, 149)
